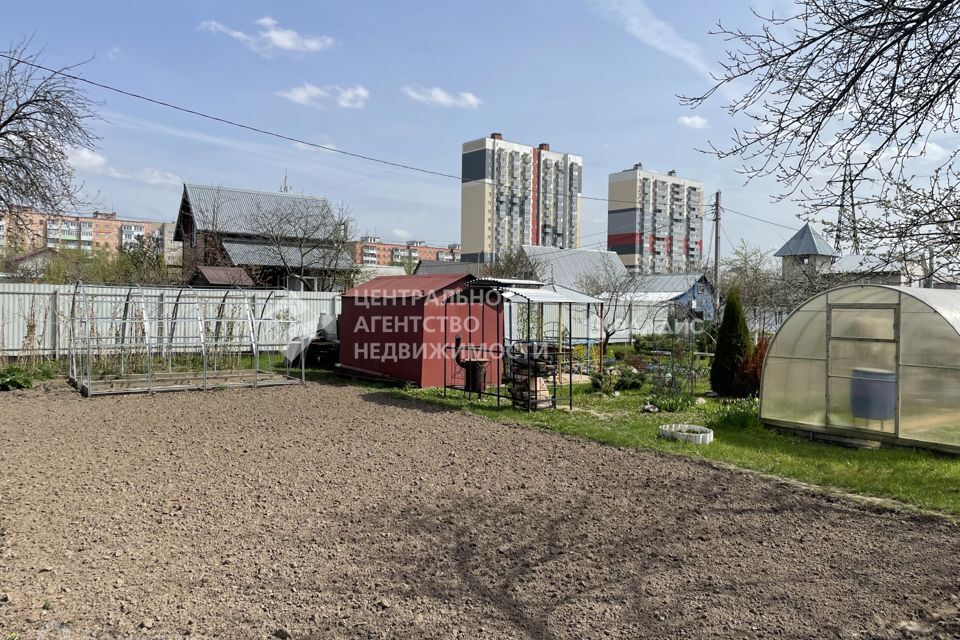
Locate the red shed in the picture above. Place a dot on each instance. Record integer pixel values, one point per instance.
(405, 327)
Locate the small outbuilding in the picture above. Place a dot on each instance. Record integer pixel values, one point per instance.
(406, 327)
(869, 362)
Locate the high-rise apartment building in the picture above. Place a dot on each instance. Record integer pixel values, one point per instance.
(515, 194)
(655, 221)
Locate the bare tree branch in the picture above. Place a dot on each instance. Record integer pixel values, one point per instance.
(42, 116)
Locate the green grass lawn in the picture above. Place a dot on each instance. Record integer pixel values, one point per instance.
(920, 478)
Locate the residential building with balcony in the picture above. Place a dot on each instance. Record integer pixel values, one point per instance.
(514, 194)
(98, 231)
(370, 250)
(655, 221)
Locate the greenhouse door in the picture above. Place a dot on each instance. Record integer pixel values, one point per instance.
(862, 366)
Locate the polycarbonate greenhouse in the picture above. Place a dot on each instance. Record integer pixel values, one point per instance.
(869, 362)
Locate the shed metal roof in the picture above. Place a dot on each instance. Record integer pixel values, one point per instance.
(239, 211)
(549, 294)
(265, 254)
(863, 264)
(806, 242)
(229, 276)
(407, 286)
(678, 283)
(567, 267)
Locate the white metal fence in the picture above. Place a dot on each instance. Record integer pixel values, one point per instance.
(35, 318)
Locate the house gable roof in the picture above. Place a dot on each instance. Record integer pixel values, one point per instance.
(234, 211)
(567, 267)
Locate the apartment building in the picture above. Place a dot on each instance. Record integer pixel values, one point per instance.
(655, 221)
(371, 251)
(98, 231)
(515, 194)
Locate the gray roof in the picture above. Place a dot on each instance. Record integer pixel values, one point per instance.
(678, 283)
(806, 242)
(863, 264)
(264, 254)
(429, 267)
(566, 267)
(235, 211)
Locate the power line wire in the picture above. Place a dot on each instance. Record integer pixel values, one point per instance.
(747, 215)
(294, 139)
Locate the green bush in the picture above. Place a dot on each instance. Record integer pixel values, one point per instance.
(671, 403)
(15, 377)
(19, 377)
(733, 346)
(621, 377)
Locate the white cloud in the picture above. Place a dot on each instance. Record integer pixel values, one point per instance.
(401, 234)
(113, 53)
(354, 97)
(438, 97)
(642, 24)
(694, 122)
(308, 94)
(92, 162)
(326, 148)
(271, 37)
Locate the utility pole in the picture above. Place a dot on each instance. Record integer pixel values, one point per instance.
(716, 251)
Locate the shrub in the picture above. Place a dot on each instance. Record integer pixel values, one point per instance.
(746, 382)
(671, 403)
(733, 345)
(617, 378)
(629, 377)
(15, 377)
(18, 377)
(603, 382)
(739, 413)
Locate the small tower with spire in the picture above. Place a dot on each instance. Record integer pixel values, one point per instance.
(806, 254)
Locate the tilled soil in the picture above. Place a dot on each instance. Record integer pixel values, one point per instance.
(320, 511)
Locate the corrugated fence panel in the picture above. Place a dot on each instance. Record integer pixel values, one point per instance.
(35, 318)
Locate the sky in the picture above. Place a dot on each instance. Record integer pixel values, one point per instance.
(408, 82)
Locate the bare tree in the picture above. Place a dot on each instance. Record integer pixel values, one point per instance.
(840, 97)
(43, 115)
(310, 238)
(766, 297)
(515, 263)
(618, 289)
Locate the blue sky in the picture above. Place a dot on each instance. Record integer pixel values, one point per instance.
(405, 81)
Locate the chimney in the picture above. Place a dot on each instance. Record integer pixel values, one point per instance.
(544, 146)
(496, 136)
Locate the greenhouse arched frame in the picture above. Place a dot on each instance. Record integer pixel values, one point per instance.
(869, 362)
(145, 341)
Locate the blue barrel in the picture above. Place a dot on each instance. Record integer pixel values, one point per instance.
(873, 394)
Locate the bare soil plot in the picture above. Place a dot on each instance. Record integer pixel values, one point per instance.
(341, 512)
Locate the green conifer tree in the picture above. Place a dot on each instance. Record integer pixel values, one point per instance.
(733, 345)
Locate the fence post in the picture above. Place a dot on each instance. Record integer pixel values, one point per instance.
(54, 311)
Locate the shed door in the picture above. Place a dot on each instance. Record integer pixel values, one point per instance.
(862, 386)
